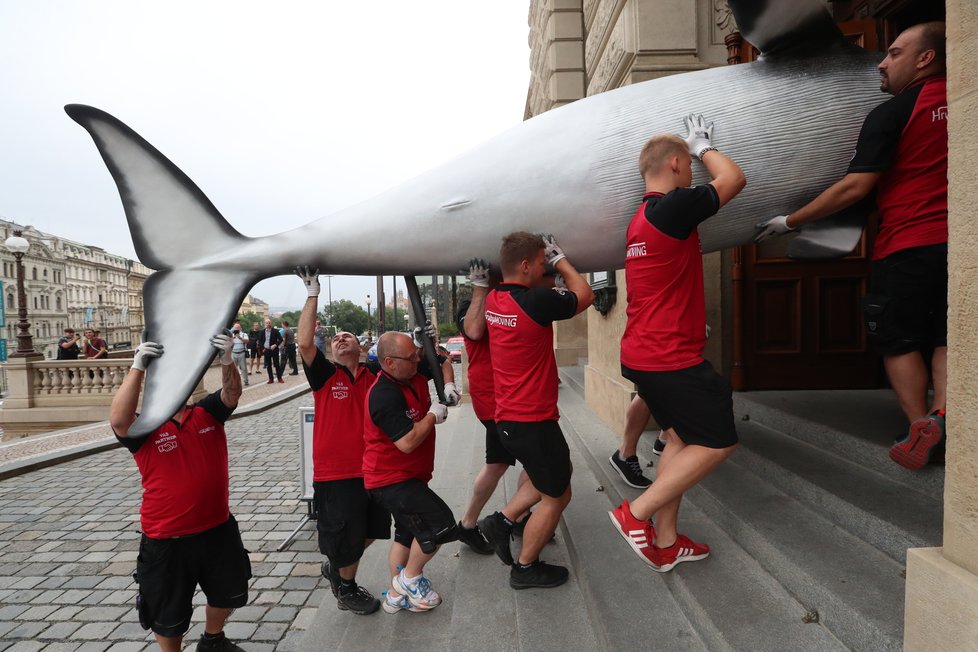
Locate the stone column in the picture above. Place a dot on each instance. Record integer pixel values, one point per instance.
(942, 583)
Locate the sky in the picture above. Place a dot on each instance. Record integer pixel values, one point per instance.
(282, 113)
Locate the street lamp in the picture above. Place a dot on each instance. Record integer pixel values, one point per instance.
(329, 287)
(18, 246)
(368, 317)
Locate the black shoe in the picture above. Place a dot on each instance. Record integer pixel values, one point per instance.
(333, 577)
(539, 575)
(658, 446)
(219, 644)
(630, 470)
(498, 534)
(359, 601)
(473, 538)
(294, 373)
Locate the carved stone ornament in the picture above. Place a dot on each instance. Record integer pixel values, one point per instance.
(724, 18)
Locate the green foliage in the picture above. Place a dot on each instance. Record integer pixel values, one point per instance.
(248, 319)
(292, 317)
(347, 316)
(446, 330)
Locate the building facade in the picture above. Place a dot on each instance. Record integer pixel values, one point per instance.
(69, 284)
(582, 47)
(255, 305)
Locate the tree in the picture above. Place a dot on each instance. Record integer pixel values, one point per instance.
(249, 319)
(348, 316)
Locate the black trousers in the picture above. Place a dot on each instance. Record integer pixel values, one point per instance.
(271, 363)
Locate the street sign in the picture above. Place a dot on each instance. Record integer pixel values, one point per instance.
(3, 350)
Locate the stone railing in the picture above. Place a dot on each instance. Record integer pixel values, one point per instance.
(81, 378)
(47, 395)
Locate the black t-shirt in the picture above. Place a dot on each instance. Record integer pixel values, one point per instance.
(68, 353)
(678, 213)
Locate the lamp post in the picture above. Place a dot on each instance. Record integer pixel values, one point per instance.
(18, 246)
(329, 288)
(368, 318)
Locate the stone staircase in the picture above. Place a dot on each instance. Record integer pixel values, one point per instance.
(809, 523)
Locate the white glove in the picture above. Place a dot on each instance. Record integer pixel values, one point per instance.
(479, 273)
(559, 283)
(551, 249)
(222, 343)
(452, 395)
(428, 330)
(772, 227)
(708, 331)
(311, 278)
(699, 138)
(440, 411)
(144, 353)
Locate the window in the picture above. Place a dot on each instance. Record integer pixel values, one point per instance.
(35, 303)
(10, 301)
(34, 273)
(57, 302)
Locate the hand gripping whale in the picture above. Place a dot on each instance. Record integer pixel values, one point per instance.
(790, 120)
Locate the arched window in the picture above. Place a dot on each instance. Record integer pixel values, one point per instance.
(10, 301)
(57, 302)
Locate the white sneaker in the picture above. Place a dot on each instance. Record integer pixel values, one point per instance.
(392, 603)
(420, 594)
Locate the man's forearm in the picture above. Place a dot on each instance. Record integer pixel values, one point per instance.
(840, 195)
(474, 323)
(122, 412)
(576, 283)
(418, 434)
(230, 385)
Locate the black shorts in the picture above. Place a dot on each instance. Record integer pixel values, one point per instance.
(906, 308)
(346, 518)
(696, 402)
(542, 450)
(419, 514)
(169, 570)
(496, 453)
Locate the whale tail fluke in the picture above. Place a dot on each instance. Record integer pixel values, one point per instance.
(177, 231)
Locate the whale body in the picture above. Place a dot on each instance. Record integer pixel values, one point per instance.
(790, 120)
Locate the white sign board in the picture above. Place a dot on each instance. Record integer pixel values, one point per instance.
(306, 416)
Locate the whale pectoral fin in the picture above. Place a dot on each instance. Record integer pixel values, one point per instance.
(832, 237)
(183, 309)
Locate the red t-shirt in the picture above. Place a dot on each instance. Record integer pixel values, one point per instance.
(184, 469)
(666, 315)
(337, 429)
(519, 322)
(480, 383)
(392, 409)
(905, 138)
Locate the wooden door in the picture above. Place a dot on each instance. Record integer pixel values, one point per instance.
(801, 321)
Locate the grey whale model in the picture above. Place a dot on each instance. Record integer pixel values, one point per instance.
(790, 120)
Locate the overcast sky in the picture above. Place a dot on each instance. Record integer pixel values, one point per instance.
(281, 113)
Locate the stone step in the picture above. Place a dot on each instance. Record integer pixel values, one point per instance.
(857, 590)
(574, 378)
(859, 426)
(752, 611)
(867, 503)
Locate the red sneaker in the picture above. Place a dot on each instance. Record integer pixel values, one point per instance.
(916, 449)
(638, 534)
(270, 382)
(281, 380)
(685, 549)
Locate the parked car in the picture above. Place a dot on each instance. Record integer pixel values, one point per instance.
(455, 346)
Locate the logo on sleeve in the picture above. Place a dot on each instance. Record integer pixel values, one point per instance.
(635, 250)
(494, 318)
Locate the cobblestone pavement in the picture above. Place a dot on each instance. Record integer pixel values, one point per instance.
(69, 536)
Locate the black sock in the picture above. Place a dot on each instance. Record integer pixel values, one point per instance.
(347, 586)
(520, 566)
(508, 522)
(213, 637)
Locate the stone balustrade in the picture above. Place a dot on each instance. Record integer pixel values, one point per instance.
(48, 395)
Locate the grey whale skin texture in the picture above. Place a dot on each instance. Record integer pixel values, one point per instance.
(791, 122)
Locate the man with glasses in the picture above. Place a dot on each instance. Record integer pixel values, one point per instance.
(399, 456)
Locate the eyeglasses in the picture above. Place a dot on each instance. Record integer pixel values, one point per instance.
(413, 358)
